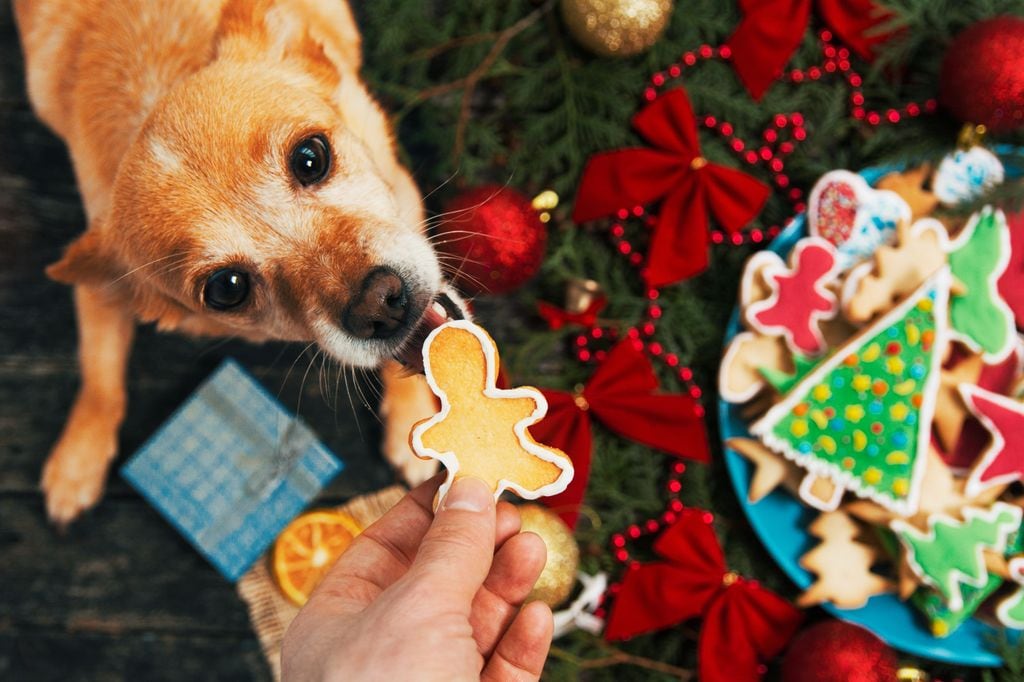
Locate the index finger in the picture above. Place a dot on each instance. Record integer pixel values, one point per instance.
(382, 553)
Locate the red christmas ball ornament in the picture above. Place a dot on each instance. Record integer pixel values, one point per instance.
(492, 239)
(836, 651)
(982, 78)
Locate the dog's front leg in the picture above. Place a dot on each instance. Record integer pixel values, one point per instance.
(407, 400)
(76, 470)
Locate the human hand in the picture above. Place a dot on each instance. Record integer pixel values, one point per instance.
(428, 597)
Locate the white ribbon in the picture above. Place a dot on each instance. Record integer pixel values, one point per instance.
(580, 614)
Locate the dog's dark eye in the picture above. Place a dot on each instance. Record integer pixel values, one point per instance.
(310, 160)
(226, 289)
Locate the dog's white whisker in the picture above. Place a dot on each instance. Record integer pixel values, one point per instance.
(146, 265)
(447, 180)
(288, 374)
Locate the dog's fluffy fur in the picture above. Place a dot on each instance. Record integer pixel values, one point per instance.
(179, 116)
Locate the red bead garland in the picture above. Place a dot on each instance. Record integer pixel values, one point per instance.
(837, 59)
(654, 525)
(777, 142)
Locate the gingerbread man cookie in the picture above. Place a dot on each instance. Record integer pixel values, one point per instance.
(798, 296)
(481, 430)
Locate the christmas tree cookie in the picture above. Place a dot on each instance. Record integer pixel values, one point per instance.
(1010, 611)
(979, 316)
(951, 553)
(944, 621)
(862, 418)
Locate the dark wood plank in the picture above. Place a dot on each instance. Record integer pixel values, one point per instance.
(41, 656)
(120, 569)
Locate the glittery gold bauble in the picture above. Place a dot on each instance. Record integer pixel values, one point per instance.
(559, 574)
(616, 28)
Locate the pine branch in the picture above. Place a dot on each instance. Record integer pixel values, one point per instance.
(618, 657)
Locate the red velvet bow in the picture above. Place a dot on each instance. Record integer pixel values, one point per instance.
(744, 624)
(557, 317)
(622, 395)
(771, 30)
(676, 172)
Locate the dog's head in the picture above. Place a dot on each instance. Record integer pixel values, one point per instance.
(261, 199)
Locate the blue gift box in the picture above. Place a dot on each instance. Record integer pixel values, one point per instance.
(231, 468)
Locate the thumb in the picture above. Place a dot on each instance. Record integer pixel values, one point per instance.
(457, 551)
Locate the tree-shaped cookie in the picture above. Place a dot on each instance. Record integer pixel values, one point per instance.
(481, 430)
(951, 553)
(842, 565)
(1011, 610)
(978, 315)
(863, 417)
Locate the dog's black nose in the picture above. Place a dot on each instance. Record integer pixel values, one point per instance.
(379, 308)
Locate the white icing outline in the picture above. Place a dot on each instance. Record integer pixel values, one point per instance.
(968, 392)
(1016, 568)
(831, 504)
(868, 267)
(939, 281)
(1018, 355)
(756, 266)
(992, 284)
(775, 268)
(862, 191)
(450, 460)
(731, 353)
(956, 599)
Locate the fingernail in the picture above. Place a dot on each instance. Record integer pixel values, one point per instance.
(469, 494)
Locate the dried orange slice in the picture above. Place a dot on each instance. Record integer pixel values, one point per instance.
(307, 548)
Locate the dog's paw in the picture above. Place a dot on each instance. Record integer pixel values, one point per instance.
(75, 474)
(407, 401)
(399, 454)
(415, 470)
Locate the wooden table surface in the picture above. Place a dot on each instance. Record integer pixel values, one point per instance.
(120, 596)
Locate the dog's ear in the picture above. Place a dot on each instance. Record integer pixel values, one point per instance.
(86, 261)
(253, 29)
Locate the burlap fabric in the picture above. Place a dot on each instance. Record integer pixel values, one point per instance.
(269, 611)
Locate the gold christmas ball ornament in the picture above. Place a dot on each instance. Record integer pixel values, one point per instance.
(616, 28)
(559, 575)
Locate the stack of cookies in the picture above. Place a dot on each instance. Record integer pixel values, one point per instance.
(880, 371)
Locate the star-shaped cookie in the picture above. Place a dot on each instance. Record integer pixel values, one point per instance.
(481, 430)
(770, 468)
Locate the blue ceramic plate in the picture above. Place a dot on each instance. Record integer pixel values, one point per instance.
(780, 520)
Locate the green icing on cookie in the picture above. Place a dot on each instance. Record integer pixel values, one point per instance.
(980, 315)
(950, 554)
(1011, 610)
(862, 417)
(942, 620)
(782, 381)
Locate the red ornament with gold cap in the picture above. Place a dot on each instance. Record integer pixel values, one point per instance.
(492, 238)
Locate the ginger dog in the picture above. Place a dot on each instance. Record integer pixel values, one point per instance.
(238, 180)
